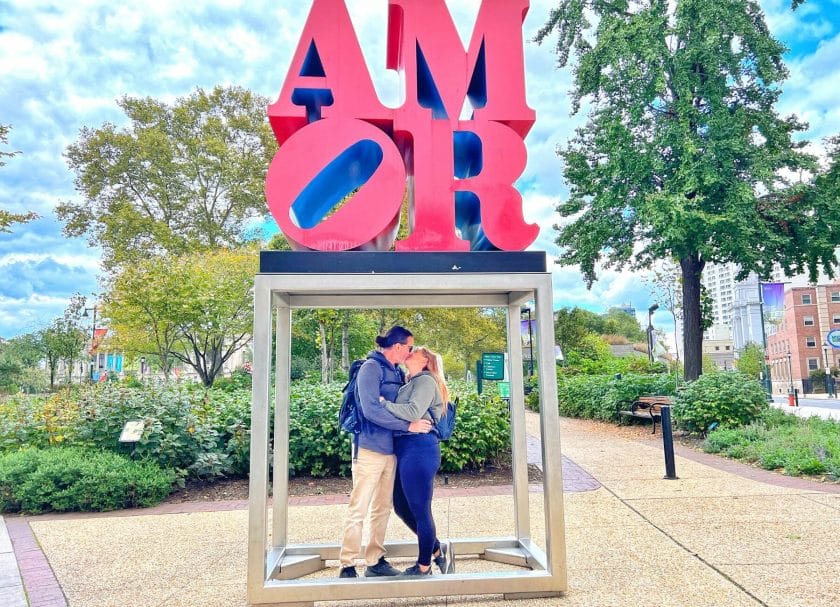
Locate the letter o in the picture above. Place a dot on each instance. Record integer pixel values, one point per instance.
(319, 166)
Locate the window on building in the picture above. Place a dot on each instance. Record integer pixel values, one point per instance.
(835, 320)
(813, 363)
(808, 321)
(835, 296)
(717, 348)
(811, 342)
(726, 348)
(806, 298)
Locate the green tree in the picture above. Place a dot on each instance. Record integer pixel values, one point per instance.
(571, 326)
(460, 334)
(751, 361)
(62, 340)
(19, 358)
(179, 178)
(7, 218)
(617, 322)
(195, 308)
(683, 155)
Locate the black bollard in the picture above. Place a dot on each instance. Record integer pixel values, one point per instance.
(668, 443)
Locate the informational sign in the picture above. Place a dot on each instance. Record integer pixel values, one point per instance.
(504, 389)
(132, 431)
(833, 338)
(493, 366)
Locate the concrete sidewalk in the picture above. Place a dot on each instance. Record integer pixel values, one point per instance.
(723, 534)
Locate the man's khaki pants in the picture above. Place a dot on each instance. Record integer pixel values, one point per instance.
(373, 489)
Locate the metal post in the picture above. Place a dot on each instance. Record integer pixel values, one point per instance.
(827, 374)
(530, 347)
(768, 385)
(668, 443)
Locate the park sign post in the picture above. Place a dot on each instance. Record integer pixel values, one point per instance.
(336, 138)
(336, 186)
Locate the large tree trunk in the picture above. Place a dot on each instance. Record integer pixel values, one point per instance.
(692, 270)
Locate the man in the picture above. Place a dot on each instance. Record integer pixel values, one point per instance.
(375, 465)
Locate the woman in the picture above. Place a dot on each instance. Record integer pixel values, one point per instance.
(424, 396)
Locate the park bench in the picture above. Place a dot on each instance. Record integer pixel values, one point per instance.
(647, 407)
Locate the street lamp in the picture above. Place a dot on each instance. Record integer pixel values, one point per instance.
(92, 338)
(526, 309)
(651, 310)
(142, 367)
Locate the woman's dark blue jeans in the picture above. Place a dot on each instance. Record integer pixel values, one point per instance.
(418, 460)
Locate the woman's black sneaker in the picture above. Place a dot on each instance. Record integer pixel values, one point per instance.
(414, 571)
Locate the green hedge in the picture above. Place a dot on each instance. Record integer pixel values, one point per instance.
(318, 448)
(69, 479)
(207, 433)
(719, 399)
(602, 396)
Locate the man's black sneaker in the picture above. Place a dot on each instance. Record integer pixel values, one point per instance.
(348, 571)
(382, 568)
(415, 571)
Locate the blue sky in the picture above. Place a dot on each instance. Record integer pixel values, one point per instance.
(64, 64)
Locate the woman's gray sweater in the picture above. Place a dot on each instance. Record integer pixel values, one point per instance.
(418, 399)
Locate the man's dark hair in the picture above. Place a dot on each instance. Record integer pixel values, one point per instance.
(395, 335)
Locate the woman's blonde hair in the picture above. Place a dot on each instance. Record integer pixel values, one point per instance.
(434, 365)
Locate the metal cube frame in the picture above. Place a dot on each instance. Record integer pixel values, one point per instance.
(274, 565)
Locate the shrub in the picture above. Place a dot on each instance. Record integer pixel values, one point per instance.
(316, 445)
(602, 396)
(203, 433)
(67, 479)
(777, 441)
(240, 379)
(719, 399)
(482, 432)
(179, 426)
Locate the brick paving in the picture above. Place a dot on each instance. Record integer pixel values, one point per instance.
(38, 578)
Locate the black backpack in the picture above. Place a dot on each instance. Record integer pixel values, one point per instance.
(350, 418)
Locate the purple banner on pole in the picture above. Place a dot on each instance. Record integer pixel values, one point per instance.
(526, 335)
(773, 297)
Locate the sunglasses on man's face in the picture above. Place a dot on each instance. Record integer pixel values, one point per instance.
(410, 348)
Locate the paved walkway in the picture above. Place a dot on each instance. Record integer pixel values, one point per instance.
(722, 534)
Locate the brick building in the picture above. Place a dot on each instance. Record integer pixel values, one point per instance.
(799, 345)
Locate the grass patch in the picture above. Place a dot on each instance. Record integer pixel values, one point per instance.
(778, 441)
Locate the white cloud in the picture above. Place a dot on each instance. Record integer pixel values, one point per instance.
(63, 65)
